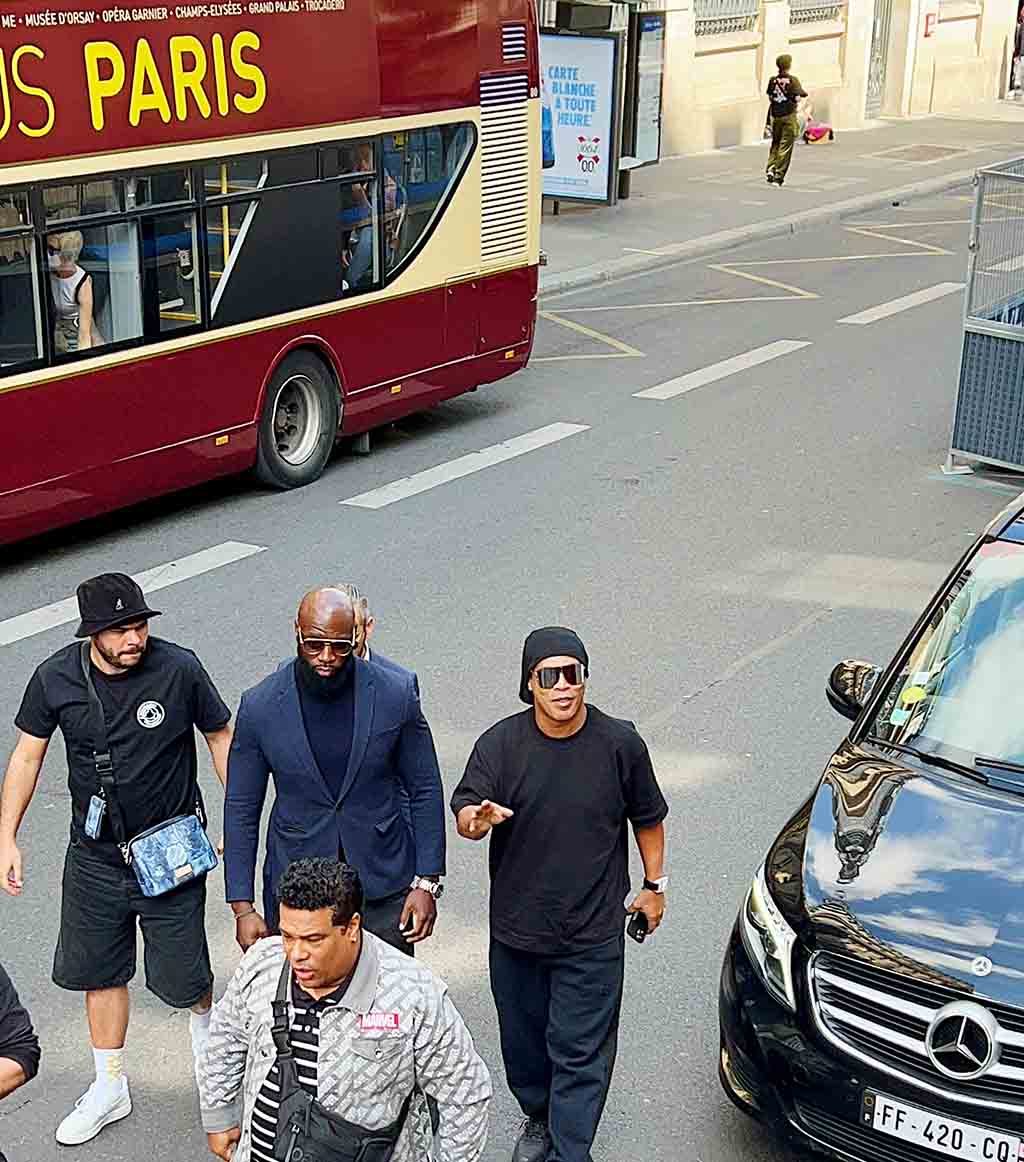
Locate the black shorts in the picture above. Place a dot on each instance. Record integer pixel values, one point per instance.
(100, 904)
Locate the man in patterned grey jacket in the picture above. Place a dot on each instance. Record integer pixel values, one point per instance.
(368, 1025)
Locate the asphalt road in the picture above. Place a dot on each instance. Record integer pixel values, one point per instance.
(718, 550)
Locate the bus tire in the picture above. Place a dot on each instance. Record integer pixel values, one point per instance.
(299, 422)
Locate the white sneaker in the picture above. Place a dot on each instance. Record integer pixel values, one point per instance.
(96, 1108)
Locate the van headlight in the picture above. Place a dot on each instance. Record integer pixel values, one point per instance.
(769, 941)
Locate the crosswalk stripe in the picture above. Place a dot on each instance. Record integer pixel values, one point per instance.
(463, 466)
(726, 367)
(917, 299)
(24, 625)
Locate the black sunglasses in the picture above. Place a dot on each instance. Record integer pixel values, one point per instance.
(547, 676)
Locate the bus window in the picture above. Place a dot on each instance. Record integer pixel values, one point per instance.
(94, 286)
(226, 228)
(241, 175)
(358, 242)
(171, 265)
(20, 337)
(82, 199)
(421, 170)
(161, 188)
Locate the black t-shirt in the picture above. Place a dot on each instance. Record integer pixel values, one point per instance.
(150, 713)
(560, 865)
(784, 92)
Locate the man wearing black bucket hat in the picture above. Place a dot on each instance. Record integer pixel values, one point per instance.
(152, 696)
(558, 785)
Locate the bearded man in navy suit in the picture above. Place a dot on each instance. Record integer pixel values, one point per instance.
(355, 776)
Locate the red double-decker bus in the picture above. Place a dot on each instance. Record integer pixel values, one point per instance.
(232, 231)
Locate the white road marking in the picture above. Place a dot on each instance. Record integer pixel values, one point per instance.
(463, 466)
(183, 569)
(917, 299)
(726, 367)
(1009, 264)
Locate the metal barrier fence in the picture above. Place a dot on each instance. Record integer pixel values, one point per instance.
(717, 16)
(988, 424)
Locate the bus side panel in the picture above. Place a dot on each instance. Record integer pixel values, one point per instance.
(493, 16)
(428, 55)
(393, 359)
(508, 308)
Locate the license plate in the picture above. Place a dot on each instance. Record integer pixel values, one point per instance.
(954, 1139)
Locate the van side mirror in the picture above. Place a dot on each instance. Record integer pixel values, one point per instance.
(849, 686)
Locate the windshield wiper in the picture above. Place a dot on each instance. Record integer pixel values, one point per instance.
(933, 760)
(982, 760)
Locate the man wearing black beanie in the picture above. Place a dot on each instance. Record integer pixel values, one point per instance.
(558, 784)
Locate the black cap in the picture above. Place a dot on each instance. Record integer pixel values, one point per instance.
(554, 641)
(108, 600)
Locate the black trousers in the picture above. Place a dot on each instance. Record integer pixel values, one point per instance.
(381, 917)
(559, 1022)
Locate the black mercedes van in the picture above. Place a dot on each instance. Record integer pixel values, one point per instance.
(871, 1002)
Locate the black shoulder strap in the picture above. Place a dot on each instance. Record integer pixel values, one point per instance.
(281, 1025)
(101, 753)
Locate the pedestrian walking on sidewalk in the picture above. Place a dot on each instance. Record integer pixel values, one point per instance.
(326, 1036)
(147, 696)
(784, 94)
(558, 785)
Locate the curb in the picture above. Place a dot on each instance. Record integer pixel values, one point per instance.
(587, 276)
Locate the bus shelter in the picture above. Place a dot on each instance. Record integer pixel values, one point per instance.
(988, 423)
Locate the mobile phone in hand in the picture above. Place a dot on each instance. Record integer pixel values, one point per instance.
(638, 927)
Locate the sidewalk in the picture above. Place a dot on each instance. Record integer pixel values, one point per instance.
(695, 205)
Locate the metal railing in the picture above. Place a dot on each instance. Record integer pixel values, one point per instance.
(995, 291)
(713, 17)
(809, 11)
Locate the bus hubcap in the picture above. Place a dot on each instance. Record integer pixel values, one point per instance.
(297, 420)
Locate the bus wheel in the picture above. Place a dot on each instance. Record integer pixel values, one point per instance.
(299, 423)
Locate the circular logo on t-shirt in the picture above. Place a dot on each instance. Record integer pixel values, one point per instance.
(150, 715)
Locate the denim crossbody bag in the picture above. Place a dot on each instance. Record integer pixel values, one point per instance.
(163, 857)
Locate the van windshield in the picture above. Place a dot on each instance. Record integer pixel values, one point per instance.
(961, 694)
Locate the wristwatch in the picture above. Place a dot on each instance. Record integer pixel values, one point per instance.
(659, 885)
(434, 887)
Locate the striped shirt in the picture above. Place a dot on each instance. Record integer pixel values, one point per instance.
(304, 1037)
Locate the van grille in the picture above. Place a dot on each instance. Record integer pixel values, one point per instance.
(883, 1017)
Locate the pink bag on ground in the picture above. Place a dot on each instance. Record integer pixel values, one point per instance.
(818, 132)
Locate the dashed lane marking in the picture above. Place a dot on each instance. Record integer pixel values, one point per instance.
(904, 303)
(172, 573)
(464, 466)
(722, 370)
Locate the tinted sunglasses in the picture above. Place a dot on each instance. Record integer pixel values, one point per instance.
(547, 676)
(315, 646)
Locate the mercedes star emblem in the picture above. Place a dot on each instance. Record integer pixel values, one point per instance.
(981, 966)
(963, 1041)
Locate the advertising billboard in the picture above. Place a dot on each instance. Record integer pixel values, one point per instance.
(581, 95)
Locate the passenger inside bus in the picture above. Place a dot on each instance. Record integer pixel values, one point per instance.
(71, 293)
(19, 341)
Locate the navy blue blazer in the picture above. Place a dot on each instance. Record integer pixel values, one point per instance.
(389, 817)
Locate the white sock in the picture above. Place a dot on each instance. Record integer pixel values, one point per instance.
(199, 1026)
(109, 1067)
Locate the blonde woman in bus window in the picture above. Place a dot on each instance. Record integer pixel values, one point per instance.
(71, 293)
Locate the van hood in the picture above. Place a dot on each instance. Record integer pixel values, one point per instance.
(917, 869)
